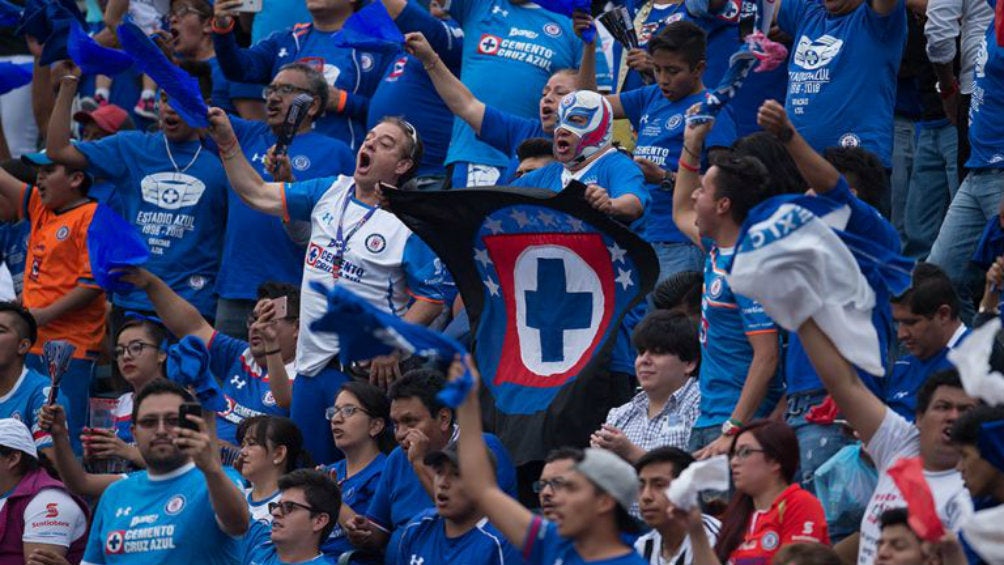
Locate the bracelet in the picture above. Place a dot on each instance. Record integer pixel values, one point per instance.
(273, 352)
(691, 153)
(688, 167)
(222, 30)
(432, 65)
(736, 423)
(71, 77)
(228, 147)
(230, 154)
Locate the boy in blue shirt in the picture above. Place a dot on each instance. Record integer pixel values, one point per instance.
(455, 531)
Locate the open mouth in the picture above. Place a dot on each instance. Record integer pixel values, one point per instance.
(171, 122)
(364, 163)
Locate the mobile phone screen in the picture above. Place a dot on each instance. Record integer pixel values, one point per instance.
(281, 307)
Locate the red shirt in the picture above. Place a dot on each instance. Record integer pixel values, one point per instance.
(795, 516)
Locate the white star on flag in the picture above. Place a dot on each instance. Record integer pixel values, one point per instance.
(481, 256)
(520, 217)
(494, 226)
(576, 224)
(617, 254)
(624, 278)
(546, 219)
(493, 288)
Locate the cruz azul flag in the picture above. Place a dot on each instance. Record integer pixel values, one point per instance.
(546, 281)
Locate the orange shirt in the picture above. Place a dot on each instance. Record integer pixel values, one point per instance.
(796, 516)
(57, 262)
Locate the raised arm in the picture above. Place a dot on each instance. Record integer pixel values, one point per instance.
(227, 500)
(688, 179)
(587, 65)
(266, 197)
(57, 140)
(817, 171)
(457, 97)
(886, 7)
(179, 317)
(253, 64)
(11, 193)
(72, 473)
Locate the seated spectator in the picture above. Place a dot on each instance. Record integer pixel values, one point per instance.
(557, 464)
(422, 424)
(254, 375)
(102, 121)
(806, 554)
(308, 505)
(980, 467)
(668, 542)
(592, 500)
(665, 410)
(361, 426)
(533, 154)
(31, 498)
(453, 532)
(271, 446)
(680, 292)
(899, 545)
(768, 509)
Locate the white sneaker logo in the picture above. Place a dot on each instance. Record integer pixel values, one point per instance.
(812, 55)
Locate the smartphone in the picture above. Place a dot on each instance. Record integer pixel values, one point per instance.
(251, 6)
(193, 408)
(281, 307)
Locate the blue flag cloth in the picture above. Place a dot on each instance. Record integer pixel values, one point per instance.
(566, 8)
(364, 332)
(991, 443)
(991, 245)
(94, 59)
(33, 21)
(188, 365)
(13, 75)
(370, 28)
(113, 243)
(54, 45)
(181, 87)
(547, 281)
(10, 14)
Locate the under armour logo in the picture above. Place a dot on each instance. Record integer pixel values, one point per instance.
(283, 52)
(416, 560)
(238, 382)
(119, 512)
(505, 14)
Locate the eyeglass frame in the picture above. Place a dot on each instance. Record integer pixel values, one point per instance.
(170, 421)
(119, 351)
(744, 452)
(283, 504)
(347, 411)
(556, 484)
(287, 89)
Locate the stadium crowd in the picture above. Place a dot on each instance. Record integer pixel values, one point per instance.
(775, 397)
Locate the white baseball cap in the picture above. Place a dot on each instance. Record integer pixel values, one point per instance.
(15, 435)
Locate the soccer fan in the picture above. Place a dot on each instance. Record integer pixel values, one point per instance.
(899, 544)
(172, 191)
(668, 542)
(271, 446)
(308, 505)
(888, 437)
(842, 74)
(455, 531)
(352, 74)
(36, 510)
(102, 121)
(557, 463)
(59, 288)
(533, 154)
(422, 424)
(185, 507)
(657, 113)
(14, 234)
(353, 241)
(680, 293)
(739, 342)
(768, 510)
(806, 554)
(592, 500)
(980, 461)
(254, 375)
(668, 405)
(253, 238)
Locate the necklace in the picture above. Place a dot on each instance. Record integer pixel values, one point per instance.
(170, 156)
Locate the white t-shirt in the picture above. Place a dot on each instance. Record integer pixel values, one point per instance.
(895, 439)
(683, 555)
(259, 510)
(53, 518)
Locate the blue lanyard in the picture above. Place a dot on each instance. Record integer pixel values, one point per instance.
(342, 240)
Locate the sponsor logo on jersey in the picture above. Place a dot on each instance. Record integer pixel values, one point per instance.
(489, 44)
(517, 32)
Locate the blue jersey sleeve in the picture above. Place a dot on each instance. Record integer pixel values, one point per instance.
(299, 198)
(885, 24)
(755, 320)
(542, 541)
(466, 11)
(357, 103)
(223, 351)
(504, 469)
(445, 37)
(626, 178)
(379, 511)
(634, 103)
(506, 131)
(259, 533)
(94, 552)
(841, 192)
(723, 133)
(423, 271)
(253, 64)
(790, 15)
(105, 158)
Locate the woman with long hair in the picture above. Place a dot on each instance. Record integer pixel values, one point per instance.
(271, 446)
(361, 428)
(768, 510)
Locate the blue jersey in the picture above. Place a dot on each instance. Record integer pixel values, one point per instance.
(842, 75)
(166, 519)
(14, 250)
(505, 132)
(357, 491)
(986, 113)
(226, 91)
(399, 496)
(278, 15)
(660, 124)
(909, 374)
(354, 72)
(545, 546)
(518, 46)
(405, 79)
(257, 549)
(244, 383)
(178, 209)
(727, 320)
(425, 541)
(254, 239)
(24, 401)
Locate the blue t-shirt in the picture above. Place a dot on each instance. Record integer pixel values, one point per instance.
(257, 548)
(660, 124)
(986, 112)
(518, 46)
(226, 91)
(244, 383)
(24, 402)
(277, 15)
(727, 320)
(909, 373)
(14, 250)
(399, 495)
(146, 520)
(425, 541)
(505, 132)
(357, 491)
(180, 210)
(254, 239)
(545, 546)
(842, 75)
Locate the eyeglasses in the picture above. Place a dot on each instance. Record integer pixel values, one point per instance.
(152, 422)
(413, 134)
(346, 411)
(287, 506)
(744, 452)
(282, 90)
(182, 11)
(556, 484)
(135, 349)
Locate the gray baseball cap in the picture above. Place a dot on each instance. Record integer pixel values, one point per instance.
(612, 474)
(15, 435)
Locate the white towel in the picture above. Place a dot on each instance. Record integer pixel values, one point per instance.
(985, 535)
(710, 474)
(972, 359)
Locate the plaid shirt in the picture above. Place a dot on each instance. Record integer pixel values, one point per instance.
(671, 426)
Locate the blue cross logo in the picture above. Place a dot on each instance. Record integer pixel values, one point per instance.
(553, 310)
